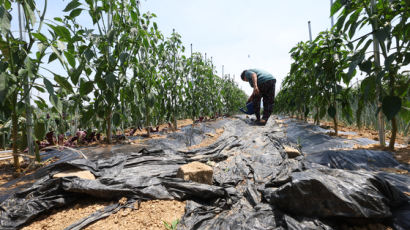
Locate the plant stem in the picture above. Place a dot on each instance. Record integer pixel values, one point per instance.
(37, 152)
(14, 133)
(393, 133)
(108, 120)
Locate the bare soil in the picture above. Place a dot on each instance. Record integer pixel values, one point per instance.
(401, 154)
(8, 173)
(211, 138)
(150, 215)
(363, 132)
(62, 218)
(163, 127)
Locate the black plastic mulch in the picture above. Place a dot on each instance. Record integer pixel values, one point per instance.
(256, 185)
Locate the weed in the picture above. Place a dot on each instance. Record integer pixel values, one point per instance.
(171, 226)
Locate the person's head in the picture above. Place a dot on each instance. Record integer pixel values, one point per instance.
(243, 76)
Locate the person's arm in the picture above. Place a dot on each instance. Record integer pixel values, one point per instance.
(250, 99)
(255, 84)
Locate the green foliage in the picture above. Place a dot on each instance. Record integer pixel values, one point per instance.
(20, 64)
(333, 57)
(391, 106)
(331, 111)
(39, 129)
(171, 226)
(121, 72)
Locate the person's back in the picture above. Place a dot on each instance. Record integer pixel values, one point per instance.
(263, 76)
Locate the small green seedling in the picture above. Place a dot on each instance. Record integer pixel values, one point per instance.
(299, 143)
(171, 226)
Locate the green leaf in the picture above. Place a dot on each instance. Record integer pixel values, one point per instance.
(111, 35)
(116, 119)
(134, 16)
(63, 82)
(109, 97)
(56, 102)
(382, 34)
(29, 12)
(356, 59)
(175, 223)
(3, 87)
(86, 117)
(41, 103)
(40, 37)
(406, 58)
(49, 86)
(40, 89)
(3, 66)
(123, 57)
(331, 111)
(61, 31)
(389, 60)
(340, 22)
(53, 56)
(58, 54)
(167, 226)
(110, 79)
(70, 58)
(86, 87)
(72, 5)
(366, 66)
(5, 19)
(335, 7)
(88, 54)
(39, 129)
(101, 84)
(75, 13)
(7, 4)
(58, 19)
(347, 112)
(391, 106)
(75, 75)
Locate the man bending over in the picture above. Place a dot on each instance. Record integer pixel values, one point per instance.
(263, 84)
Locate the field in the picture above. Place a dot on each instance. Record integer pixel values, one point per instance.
(100, 113)
(135, 183)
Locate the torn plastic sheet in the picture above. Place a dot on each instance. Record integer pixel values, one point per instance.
(255, 185)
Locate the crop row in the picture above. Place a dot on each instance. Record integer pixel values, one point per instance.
(320, 79)
(120, 72)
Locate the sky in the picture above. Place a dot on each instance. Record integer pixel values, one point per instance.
(237, 34)
(243, 34)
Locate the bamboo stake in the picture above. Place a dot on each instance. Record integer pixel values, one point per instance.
(379, 90)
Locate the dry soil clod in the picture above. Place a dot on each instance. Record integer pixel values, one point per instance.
(196, 171)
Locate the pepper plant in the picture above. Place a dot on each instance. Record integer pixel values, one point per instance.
(173, 75)
(390, 26)
(20, 62)
(331, 63)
